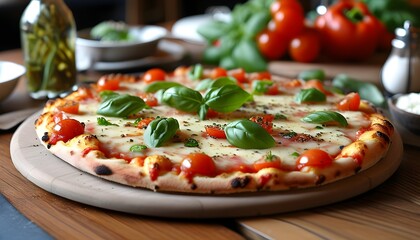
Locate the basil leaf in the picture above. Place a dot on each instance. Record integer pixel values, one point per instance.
(260, 87)
(213, 30)
(159, 85)
(310, 95)
(367, 91)
(160, 131)
(311, 74)
(191, 142)
(182, 98)
(202, 111)
(247, 56)
(227, 62)
(325, 117)
(107, 93)
(248, 135)
(196, 72)
(210, 83)
(227, 98)
(120, 105)
(256, 23)
(138, 148)
(103, 122)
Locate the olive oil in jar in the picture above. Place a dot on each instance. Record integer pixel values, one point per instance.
(48, 37)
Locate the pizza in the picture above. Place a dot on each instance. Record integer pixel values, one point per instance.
(214, 131)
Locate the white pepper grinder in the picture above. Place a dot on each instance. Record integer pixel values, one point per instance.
(401, 71)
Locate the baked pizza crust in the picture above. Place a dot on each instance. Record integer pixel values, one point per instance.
(84, 153)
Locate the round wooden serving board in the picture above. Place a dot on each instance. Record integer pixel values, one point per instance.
(47, 171)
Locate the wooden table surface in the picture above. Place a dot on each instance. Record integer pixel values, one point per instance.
(390, 211)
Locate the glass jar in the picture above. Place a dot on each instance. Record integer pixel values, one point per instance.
(401, 71)
(48, 37)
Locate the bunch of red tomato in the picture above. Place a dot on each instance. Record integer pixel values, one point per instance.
(286, 33)
(347, 31)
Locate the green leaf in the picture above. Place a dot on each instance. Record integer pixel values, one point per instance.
(213, 30)
(103, 122)
(260, 87)
(159, 131)
(191, 142)
(227, 62)
(227, 98)
(248, 135)
(182, 98)
(256, 23)
(366, 90)
(311, 74)
(158, 85)
(247, 56)
(138, 148)
(326, 117)
(196, 72)
(210, 83)
(310, 95)
(120, 105)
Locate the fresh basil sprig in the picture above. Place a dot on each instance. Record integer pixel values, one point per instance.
(260, 87)
(138, 148)
(311, 74)
(247, 134)
(310, 95)
(120, 105)
(103, 122)
(160, 131)
(325, 117)
(227, 98)
(159, 85)
(196, 72)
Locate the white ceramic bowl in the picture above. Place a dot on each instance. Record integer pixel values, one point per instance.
(408, 120)
(10, 74)
(147, 38)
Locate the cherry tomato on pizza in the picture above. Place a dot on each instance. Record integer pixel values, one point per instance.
(350, 102)
(108, 83)
(314, 158)
(153, 75)
(69, 107)
(198, 164)
(271, 45)
(65, 130)
(215, 131)
(218, 72)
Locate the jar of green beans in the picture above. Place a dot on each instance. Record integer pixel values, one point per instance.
(48, 37)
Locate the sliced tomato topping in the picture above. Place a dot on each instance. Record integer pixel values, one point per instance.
(273, 89)
(239, 74)
(264, 163)
(218, 72)
(211, 113)
(149, 99)
(198, 164)
(215, 131)
(69, 107)
(65, 130)
(314, 158)
(265, 121)
(108, 83)
(351, 102)
(314, 83)
(153, 75)
(145, 122)
(260, 76)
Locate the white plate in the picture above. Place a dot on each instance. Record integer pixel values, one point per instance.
(186, 28)
(56, 176)
(167, 52)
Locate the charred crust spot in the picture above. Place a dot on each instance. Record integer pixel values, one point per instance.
(71, 153)
(388, 124)
(320, 179)
(193, 186)
(240, 182)
(48, 146)
(155, 188)
(357, 169)
(103, 170)
(383, 136)
(337, 173)
(45, 137)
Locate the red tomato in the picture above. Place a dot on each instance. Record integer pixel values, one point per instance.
(260, 76)
(69, 107)
(305, 47)
(261, 164)
(314, 158)
(161, 166)
(315, 83)
(65, 130)
(145, 122)
(105, 83)
(351, 102)
(149, 99)
(218, 72)
(198, 163)
(59, 116)
(271, 45)
(282, 4)
(215, 131)
(239, 74)
(273, 89)
(287, 23)
(211, 113)
(265, 121)
(153, 75)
